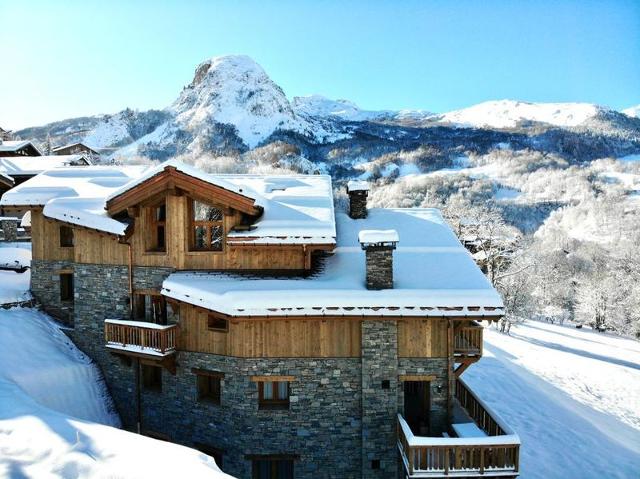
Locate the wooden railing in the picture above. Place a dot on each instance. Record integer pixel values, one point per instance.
(140, 337)
(496, 454)
(467, 340)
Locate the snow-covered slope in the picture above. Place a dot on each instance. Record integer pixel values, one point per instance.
(323, 107)
(56, 415)
(508, 113)
(572, 395)
(634, 111)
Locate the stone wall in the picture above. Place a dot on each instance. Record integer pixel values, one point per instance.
(342, 417)
(379, 261)
(358, 204)
(379, 398)
(45, 287)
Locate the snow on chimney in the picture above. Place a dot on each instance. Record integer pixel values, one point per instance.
(358, 191)
(379, 246)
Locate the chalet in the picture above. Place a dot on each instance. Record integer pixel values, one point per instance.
(243, 316)
(18, 148)
(76, 149)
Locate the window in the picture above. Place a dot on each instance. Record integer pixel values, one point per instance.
(151, 378)
(66, 286)
(156, 239)
(216, 323)
(209, 385)
(153, 308)
(206, 227)
(273, 395)
(66, 237)
(272, 468)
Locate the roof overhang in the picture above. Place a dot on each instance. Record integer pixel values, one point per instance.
(170, 179)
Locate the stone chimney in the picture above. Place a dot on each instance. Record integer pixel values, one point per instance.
(358, 191)
(378, 246)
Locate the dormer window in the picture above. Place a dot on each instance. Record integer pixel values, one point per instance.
(156, 234)
(207, 230)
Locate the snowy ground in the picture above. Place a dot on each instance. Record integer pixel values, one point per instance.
(56, 417)
(572, 395)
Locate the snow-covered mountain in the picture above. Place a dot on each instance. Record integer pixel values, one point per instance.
(510, 113)
(232, 106)
(633, 112)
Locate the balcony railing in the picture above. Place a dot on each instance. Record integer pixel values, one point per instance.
(492, 454)
(140, 337)
(467, 340)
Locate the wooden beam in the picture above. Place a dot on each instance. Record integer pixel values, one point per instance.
(266, 379)
(416, 377)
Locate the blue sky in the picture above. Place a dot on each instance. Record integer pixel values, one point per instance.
(63, 59)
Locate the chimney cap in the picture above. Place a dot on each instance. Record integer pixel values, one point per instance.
(357, 185)
(378, 238)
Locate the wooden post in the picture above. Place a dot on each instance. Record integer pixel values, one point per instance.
(450, 372)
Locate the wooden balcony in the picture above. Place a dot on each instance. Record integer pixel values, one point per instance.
(467, 341)
(140, 339)
(491, 452)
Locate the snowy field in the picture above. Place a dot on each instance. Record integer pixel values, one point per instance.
(572, 395)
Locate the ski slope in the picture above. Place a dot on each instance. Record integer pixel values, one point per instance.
(573, 397)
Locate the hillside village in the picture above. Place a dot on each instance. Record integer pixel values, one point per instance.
(324, 277)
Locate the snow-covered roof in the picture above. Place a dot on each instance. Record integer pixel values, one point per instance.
(15, 145)
(6, 178)
(69, 145)
(434, 276)
(75, 194)
(217, 180)
(32, 165)
(378, 236)
(357, 185)
(297, 210)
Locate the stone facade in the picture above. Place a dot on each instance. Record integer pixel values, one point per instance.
(45, 287)
(379, 261)
(341, 422)
(358, 204)
(9, 227)
(379, 398)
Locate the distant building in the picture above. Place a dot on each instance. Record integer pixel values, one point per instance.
(18, 148)
(21, 168)
(76, 149)
(5, 134)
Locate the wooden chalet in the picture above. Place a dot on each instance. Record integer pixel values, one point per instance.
(75, 149)
(18, 148)
(226, 309)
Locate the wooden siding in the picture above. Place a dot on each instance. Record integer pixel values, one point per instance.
(93, 247)
(46, 243)
(422, 338)
(313, 338)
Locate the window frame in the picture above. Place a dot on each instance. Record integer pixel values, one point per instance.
(153, 225)
(273, 462)
(67, 290)
(275, 403)
(214, 317)
(69, 236)
(208, 376)
(208, 224)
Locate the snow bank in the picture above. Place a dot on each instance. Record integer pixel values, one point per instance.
(55, 413)
(572, 395)
(378, 236)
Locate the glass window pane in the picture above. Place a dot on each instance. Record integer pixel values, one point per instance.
(204, 212)
(282, 390)
(267, 392)
(201, 237)
(216, 238)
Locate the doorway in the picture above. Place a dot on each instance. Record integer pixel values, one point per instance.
(417, 405)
